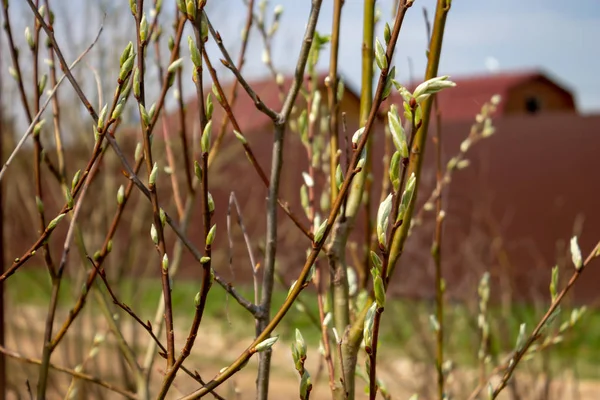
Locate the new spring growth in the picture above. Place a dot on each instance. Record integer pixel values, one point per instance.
(240, 137)
(368, 328)
(198, 170)
(211, 203)
(38, 127)
(308, 180)
(397, 131)
(190, 8)
(39, 204)
(55, 222)
(378, 288)
(209, 106)
(205, 140)
(165, 262)
(42, 83)
(380, 56)
(320, 231)
(29, 38)
(521, 337)
(389, 80)
(383, 214)
(153, 174)
(314, 110)
(305, 386)
(118, 109)
(211, 235)
(163, 217)
(194, 53)
(266, 344)
(395, 170)
(120, 195)
(102, 117)
(144, 115)
(407, 196)
(376, 261)
(432, 86)
(143, 28)
(197, 299)
(75, 180)
(204, 260)
(126, 54)
(299, 351)
(387, 33)
(304, 199)
(133, 6)
(576, 254)
(126, 67)
(136, 83)
(154, 234)
(554, 283)
(339, 176)
(175, 65)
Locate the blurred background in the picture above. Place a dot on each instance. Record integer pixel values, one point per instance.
(527, 190)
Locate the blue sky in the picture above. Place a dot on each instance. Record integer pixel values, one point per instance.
(560, 37)
(557, 36)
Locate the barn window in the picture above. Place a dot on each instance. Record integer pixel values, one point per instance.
(532, 104)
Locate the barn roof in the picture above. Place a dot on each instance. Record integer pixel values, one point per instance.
(465, 100)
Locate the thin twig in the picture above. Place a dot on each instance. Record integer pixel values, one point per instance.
(71, 372)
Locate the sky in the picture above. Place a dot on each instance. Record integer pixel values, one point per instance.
(557, 37)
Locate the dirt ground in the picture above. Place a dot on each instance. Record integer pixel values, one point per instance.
(216, 348)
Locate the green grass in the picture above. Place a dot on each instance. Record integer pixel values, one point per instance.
(405, 327)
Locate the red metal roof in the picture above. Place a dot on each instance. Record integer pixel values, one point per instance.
(464, 101)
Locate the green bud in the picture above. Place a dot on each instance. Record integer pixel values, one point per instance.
(190, 8)
(339, 176)
(109, 246)
(126, 68)
(165, 262)
(198, 170)
(320, 231)
(209, 106)
(211, 203)
(376, 261)
(138, 151)
(368, 327)
(205, 140)
(38, 127)
(407, 196)
(120, 195)
(240, 137)
(55, 222)
(197, 299)
(154, 234)
(175, 65)
(39, 204)
(126, 54)
(266, 344)
(211, 235)
(378, 288)
(576, 254)
(194, 53)
(42, 84)
(136, 83)
(204, 260)
(144, 114)
(397, 131)
(382, 219)
(380, 56)
(75, 180)
(395, 170)
(163, 217)
(305, 386)
(387, 33)
(143, 28)
(29, 38)
(153, 174)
